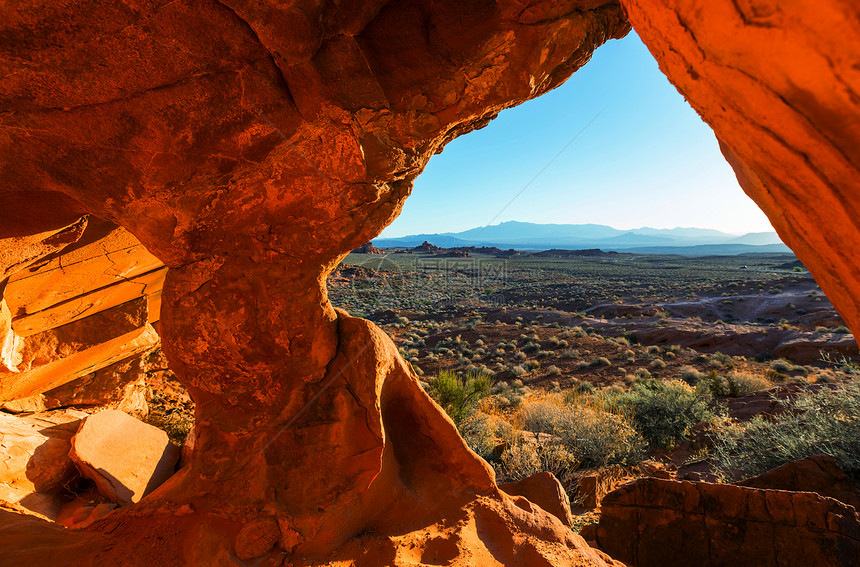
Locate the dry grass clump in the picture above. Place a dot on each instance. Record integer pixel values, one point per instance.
(595, 432)
(736, 384)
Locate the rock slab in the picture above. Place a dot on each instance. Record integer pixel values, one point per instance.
(34, 450)
(123, 456)
(655, 522)
(544, 490)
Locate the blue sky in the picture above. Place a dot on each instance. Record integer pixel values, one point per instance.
(645, 159)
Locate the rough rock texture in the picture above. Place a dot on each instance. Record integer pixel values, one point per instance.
(819, 474)
(653, 522)
(250, 165)
(544, 490)
(124, 457)
(779, 84)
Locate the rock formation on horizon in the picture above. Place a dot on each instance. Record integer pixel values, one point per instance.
(250, 146)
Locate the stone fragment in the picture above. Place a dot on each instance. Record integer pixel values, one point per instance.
(124, 457)
(34, 450)
(544, 490)
(592, 486)
(257, 538)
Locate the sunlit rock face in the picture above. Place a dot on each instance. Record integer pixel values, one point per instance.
(248, 147)
(779, 84)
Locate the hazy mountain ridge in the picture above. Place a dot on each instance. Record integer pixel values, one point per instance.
(533, 236)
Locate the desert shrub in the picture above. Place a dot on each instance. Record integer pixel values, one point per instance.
(481, 432)
(570, 353)
(841, 329)
(553, 342)
(826, 421)
(531, 348)
(531, 365)
(664, 411)
(735, 384)
(177, 424)
(691, 375)
(524, 459)
(599, 362)
(594, 435)
(782, 366)
(657, 364)
(519, 370)
(553, 370)
(721, 357)
(459, 397)
(520, 356)
(642, 374)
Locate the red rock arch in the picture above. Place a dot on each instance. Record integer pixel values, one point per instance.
(250, 146)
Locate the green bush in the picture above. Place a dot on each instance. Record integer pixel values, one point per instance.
(459, 397)
(664, 411)
(826, 421)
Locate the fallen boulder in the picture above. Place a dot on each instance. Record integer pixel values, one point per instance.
(35, 450)
(655, 522)
(592, 486)
(124, 457)
(544, 490)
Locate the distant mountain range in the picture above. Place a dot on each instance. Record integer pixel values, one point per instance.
(532, 236)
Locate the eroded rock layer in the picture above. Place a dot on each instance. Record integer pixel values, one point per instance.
(77, 308)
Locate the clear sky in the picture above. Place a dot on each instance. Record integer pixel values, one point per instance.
(647, 159)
